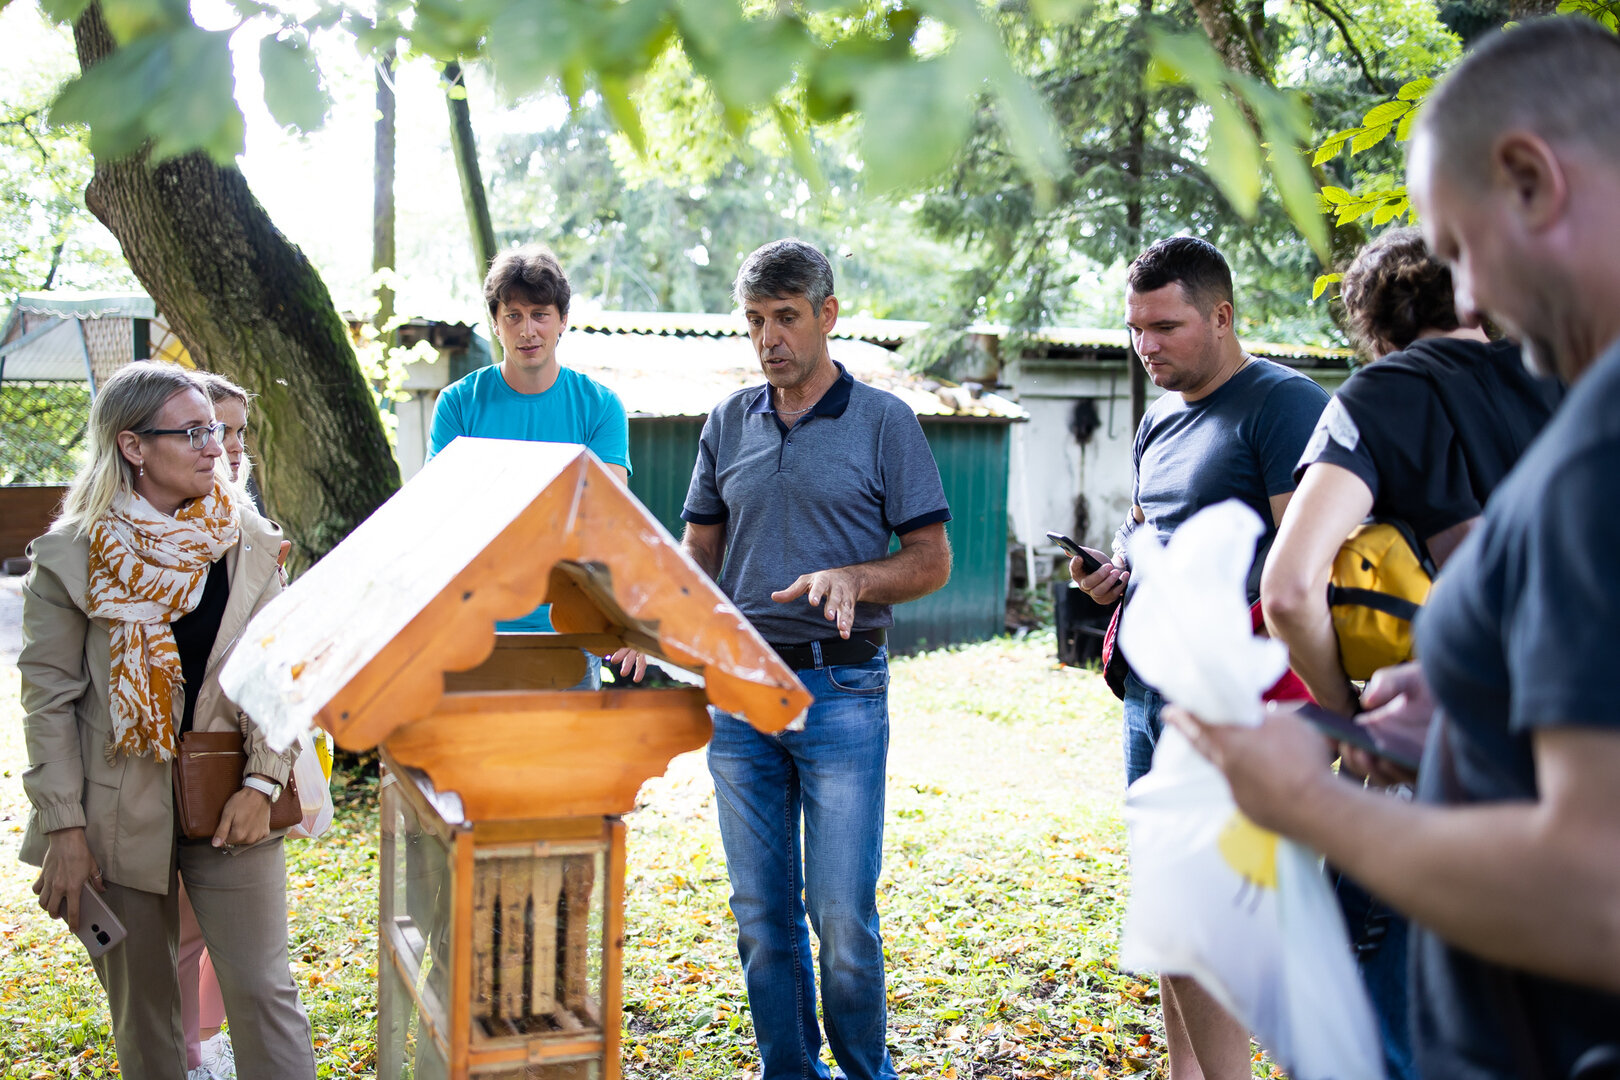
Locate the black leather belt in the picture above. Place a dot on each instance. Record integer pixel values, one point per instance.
(861, 646)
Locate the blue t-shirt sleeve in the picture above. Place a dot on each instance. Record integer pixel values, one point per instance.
(1283, 429)
(609, 438)
(703, 503)
(913, 495)
(1561, 626)
(447, 420)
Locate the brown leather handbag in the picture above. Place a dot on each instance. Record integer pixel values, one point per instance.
(208, 770)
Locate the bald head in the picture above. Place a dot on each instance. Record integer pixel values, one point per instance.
(1557, 77)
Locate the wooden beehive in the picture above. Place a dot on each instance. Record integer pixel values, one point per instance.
(500, 950)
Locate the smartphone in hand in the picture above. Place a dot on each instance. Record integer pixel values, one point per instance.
(99, 928)
(1075, 551)
(1344, 729)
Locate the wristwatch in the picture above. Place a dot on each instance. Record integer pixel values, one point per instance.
(271, 790)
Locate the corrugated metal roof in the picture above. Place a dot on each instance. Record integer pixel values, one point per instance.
(87, 305)
(53, 352)
(683, 374)
(892, 332)
(1080, 337)
(702, 324)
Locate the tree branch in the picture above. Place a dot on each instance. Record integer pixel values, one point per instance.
(1344, 32)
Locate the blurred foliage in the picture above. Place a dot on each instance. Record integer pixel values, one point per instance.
(42, 431)
(668, 231)
(1379, 195)
(908, 68)
(47, 237)
(1201, 169)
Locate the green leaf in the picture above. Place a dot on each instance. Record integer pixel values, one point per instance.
(616, 95)
(1233, 159)
(1322, 282)
(1403, 131)
(804, 156)
(1297, 189)
(1333, 145)
(980, 58)
(292, 83)
(905, 146)
(171, 87)
(1351, 213)
(745, 60)
(1335, 196)
(625, 38)
(1416, 90)
(63, 11)
(1387, 211)
(1060, 11)
(534, 40)
(130, 19)
(1369, 137)
(452, 29)
(1385, 114)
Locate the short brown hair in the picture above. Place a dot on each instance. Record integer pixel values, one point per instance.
(530, 273)
(1396, 289)
(1196, 265)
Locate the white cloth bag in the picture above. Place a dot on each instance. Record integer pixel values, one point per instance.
(1248, 914)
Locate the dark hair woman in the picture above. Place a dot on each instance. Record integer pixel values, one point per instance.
(136, 597)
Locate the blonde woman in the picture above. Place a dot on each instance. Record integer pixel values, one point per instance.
(135, 598)
(231, 409)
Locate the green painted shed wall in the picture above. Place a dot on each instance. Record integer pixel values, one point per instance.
(973, 461)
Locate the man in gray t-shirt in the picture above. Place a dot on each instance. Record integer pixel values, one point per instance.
(1230, 427)
(798, 487)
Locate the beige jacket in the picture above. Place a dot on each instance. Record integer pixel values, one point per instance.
(127, 807)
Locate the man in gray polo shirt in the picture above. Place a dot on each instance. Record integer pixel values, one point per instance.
(797, 488)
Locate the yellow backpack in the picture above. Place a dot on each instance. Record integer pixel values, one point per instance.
(1381, 577)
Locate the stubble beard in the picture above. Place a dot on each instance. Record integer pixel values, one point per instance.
(1181, 380)
(794, 375)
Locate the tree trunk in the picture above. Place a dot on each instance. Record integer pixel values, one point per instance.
(473, 196)
(1135, 158)
(1234, 39)
(382, 204)
(247, 303)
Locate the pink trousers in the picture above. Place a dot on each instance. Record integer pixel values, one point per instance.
(201, 1005)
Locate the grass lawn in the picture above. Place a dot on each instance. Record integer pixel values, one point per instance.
(1001, 898)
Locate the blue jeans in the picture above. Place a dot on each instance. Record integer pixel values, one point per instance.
(1378, 936)
(1142, 726)
(833, 773)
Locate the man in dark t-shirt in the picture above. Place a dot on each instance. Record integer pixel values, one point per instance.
(1231, 427)
(1508, 863)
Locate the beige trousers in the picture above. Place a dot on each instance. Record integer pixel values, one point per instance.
(241, 906)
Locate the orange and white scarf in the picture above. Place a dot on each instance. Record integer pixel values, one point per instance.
(147, 569)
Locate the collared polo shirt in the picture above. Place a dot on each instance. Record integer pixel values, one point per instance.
(828, 492)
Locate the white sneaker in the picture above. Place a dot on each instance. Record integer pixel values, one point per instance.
(218, 1058)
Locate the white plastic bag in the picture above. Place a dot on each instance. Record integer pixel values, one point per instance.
(1246, 913)
(313, 773)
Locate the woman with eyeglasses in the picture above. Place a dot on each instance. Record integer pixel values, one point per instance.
(135, 599)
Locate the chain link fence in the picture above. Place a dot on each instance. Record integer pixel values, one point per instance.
(42, 431)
